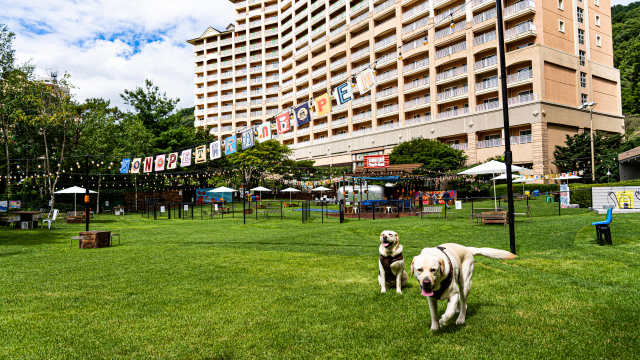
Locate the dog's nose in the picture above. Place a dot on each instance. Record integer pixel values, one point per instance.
(384, 237)
(426, 281)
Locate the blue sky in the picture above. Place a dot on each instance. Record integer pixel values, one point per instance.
(111, 45)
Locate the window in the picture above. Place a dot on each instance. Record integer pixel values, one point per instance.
(561, 25)
(581, 36)
(524, 46)
(583, 98)
(596, 2)
(583, 79)
(580, 15)
(598, 40)
(583, 58)
(525, 132)
(525, 93)
(452, 142)
(597, 20)
(486, 101)
(491, 137)
(561, 4)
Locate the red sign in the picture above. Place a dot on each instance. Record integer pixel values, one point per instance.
(376, 161)
(283, 122)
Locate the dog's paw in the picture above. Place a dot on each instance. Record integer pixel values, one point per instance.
(442, 322)
(460, 322)
(383, 290)
(435, 327)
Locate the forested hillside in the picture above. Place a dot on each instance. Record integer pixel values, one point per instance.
(626, 53)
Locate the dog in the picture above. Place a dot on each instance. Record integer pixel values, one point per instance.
(441, 270)
(391, 262)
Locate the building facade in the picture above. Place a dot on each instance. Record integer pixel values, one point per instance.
(436, 69)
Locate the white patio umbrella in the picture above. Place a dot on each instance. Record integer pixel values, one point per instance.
(260, 189)
(516, 179)
(568, 177)
(492, 167)
(74, 190)
(290, 190)
(321, 189)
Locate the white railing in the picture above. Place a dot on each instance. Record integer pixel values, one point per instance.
(241, 103)
(388, 57)
(255, 102)
(273, 99)
(200, 90)
(414, 10)
(272, 90)
(387, 92)
(255, 58)
(519, 76)
(337, 31)
(417, 120)
(198, 47)
(359, 68)
(286, 37)
(359, 53)
(386, 41)
(358, 20)
(481, 39)
(320, 29)
(489, 14)
(240, 61)
(302, 79)
(336, 63)
(483, 144)
(242, 27)
(255, 46)
(452, 73)
(226, 97)
(319, 16)
(416, 65)
(199, 101)
(387, 109)
(449, 30)
(493, 60)
(302, 92)
(338, 108)
(226, 128)
(226, 117)
(340, 136)
(452, 113)
(518, 6)
(337, 19)
(274, 77)
(241, 115)
(256, 92)
(342, 121)
(362, 99)
(212, 77)
(519, 29)
(255, 80)
(212, 119)
(448, 13)
(271, 112)
(271, 54)
(319, 85)
(425, 100)
(256, 69)
(336, 5)
(255, 23)
(271, 8)
(226, 108)
(319, 71)
(225, 41)
(450, 93)
(387, 75)
(361, 116)
(287, 74)
(479, 2)
(389, 126)
(256, 34)
(226, 74)
(211, 66)
(414, 25)
(212, 88)
(522, 139)
(270, 43)
(238, 84)
(487, 84)
(240, 38)
(490, 105)
(320, 126)
(318, 41)
(383, 6)
(362, 131)
(302, 49)
(413, 44)
(256, 113)
(449, 50)
(463, 146)
(416, 83)
(303, 131)
(522, 99)
(241, 95)
(355, 8)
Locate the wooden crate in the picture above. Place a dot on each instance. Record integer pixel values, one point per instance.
(248, 211)
(103, 239)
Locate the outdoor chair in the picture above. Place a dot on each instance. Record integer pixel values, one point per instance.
(106, 211)
(52, 219)
(603, 230)
(111, 239)
(9, 220)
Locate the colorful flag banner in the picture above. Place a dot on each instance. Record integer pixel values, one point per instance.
(323, 105)
(343, 93)
(160, 162)
(230, 145)
(264, 132)
(284, 122)
(148, 164)
(201, 154)
(366, 81)
(172, 161)
(185, 158)
(135, 165)
(302, 113)
(214, 150)
(247, 139)
(124, 167)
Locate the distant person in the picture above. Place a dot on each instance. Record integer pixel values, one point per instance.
(446, 197)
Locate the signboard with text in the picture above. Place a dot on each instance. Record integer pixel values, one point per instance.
(376, 161)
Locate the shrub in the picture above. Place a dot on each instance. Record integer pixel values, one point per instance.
(501, 190)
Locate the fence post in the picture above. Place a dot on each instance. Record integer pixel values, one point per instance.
(559, 205)
(280, 210)
(445, 209)
(373, 209)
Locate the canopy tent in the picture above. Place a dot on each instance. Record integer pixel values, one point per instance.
(321, 189)
(492, 167)
(260, 189)
(290, 190)
(392, 179)
(222, 189)
(74, 190)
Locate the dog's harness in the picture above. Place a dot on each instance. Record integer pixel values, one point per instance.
(444, 285)
(386, 262)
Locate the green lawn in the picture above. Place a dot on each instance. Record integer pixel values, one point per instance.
(218, 289)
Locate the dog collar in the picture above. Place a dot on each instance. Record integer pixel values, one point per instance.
(444, 285)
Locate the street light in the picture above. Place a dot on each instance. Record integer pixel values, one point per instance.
(589, 106)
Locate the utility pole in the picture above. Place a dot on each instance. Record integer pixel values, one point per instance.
(590, 107)
(87, 212)
(505, 113)
(244, 195)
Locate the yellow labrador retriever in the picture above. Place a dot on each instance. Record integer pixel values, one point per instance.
(391, 262)
(441, 270)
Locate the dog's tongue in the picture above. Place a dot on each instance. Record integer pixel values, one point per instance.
(385, 244)
(425, 293)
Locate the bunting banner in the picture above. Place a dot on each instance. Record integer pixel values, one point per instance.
(201, 154)
(148, 164)
(366, 81)
(185, 158)
(160, 161)
(302, 113)
(172, 161)
(264, 132)
(124, 167)
(323, 105)
(135, 165)
(284, 122)
(343, 93)
(214, 150)
(247, 139)
(230, 145)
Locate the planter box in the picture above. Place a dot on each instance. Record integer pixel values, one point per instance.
(97, 239)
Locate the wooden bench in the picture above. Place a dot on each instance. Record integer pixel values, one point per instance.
(493, 217)
(431, 210)
(527, 214)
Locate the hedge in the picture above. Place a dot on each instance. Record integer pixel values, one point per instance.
(501, 190)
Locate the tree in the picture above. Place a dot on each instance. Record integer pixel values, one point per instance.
(626, 53)
(431, 154)
(151, 107)
(270, 153)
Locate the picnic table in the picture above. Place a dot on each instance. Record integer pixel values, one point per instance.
(118, 210)
(473, 214)
(27, 216)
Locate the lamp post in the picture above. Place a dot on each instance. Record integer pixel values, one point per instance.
(589, 106)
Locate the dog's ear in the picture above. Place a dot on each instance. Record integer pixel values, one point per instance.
(397, 238)
(381, 237)
(412, 266)
(441, 266)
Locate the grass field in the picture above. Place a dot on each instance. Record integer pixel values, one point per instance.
(218, 289)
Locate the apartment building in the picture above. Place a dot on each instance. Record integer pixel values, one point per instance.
(436, 69)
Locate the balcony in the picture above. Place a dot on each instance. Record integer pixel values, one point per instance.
(481, 39)
(286, 50)
(271, 8)
(383, 6)
(452, 94)
(489, 105)
(483, 144)
(450, 50)
(271, 20)
(337, 31)
(452, 113)
(256, 113)
(337, 78)
(417, 120)
(337, 64)
(273, 78)
(301, 51)
(450, 31)
(240, 61)
(286, 84)
(256, 92)
(225, 129)
(256, 23)
(419, 103)
(241, 38)
(337, 5)
(240, 104)
(447, 14)
(212, 77)
(486, 86)
(360, 54)
(302, 79)
(226, 108)
(198, 101)
(481, 4)
(413, 44)
(317, 17)
(271, 43)
(387, 94)
(211, 120)
(359, 19)
(200, 90)
(255, 35)
(225, 41)
(318, 41)
(361, 101)
(488, 64)
(321, 85)
(359, 68)
(242, 27)
(272, 112)
(519, 9)
(415, 25)
(358, 8)
(452, 75)
(302, 92)
(271, 55)
(520, 31)
(519, 140)
(271, 100)
(302, 41)
(463, 146)
(387, 76)
(340, 122)
(318, 72)
(198, 48)
(416, 85)
(415, 67)
(339, 108)
(389, 126)
(198, 123)
(387, 59)
(386, 43)
(320, 127)
(241, 95)
(239, 50)
(272, 90)
(489, 14)
(303, 131)
(362, 131)
(520, 78)
(522, 99)
(302, 15)
(255, 102)
(254, 81)
(287, 74)
(338, 20)
(256, 69)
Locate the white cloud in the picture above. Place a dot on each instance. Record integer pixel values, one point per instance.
(111, 45)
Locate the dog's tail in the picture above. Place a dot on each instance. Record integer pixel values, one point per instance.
(492, 253)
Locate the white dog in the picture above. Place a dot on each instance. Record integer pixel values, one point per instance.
(441, 270)
(391, 262)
